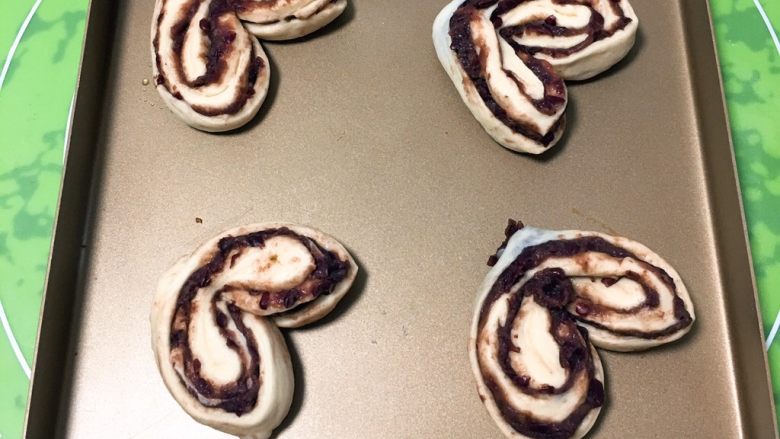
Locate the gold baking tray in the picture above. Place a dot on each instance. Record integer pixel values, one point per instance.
(364, 136)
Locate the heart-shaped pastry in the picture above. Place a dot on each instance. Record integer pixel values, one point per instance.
(509, 59)
(549, 296)
(215, 316)
(209, 69)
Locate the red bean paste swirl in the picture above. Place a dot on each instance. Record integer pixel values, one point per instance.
(571, 248)
(472, 62)
(220, 46)
(552, 289)
(240, 396)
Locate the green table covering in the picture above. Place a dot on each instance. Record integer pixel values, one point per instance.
(41, 44)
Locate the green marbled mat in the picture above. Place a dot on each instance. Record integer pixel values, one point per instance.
(36, 89)
(750, 61)
(41, 42)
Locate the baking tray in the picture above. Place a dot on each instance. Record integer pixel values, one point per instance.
(364, 136)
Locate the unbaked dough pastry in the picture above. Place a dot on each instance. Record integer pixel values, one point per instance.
(208, 69)
(215, 316)
(509, 59)
(549, 295)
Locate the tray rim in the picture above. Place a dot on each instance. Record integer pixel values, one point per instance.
(715, 112)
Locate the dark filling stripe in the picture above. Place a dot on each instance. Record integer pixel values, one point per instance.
(240, 396)
(551, 289)
(472, 64)
(465, 48)
(554, 290)
(219, 48)
(533, 256)
(681, 314)
(243, 6)
(594, 30)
